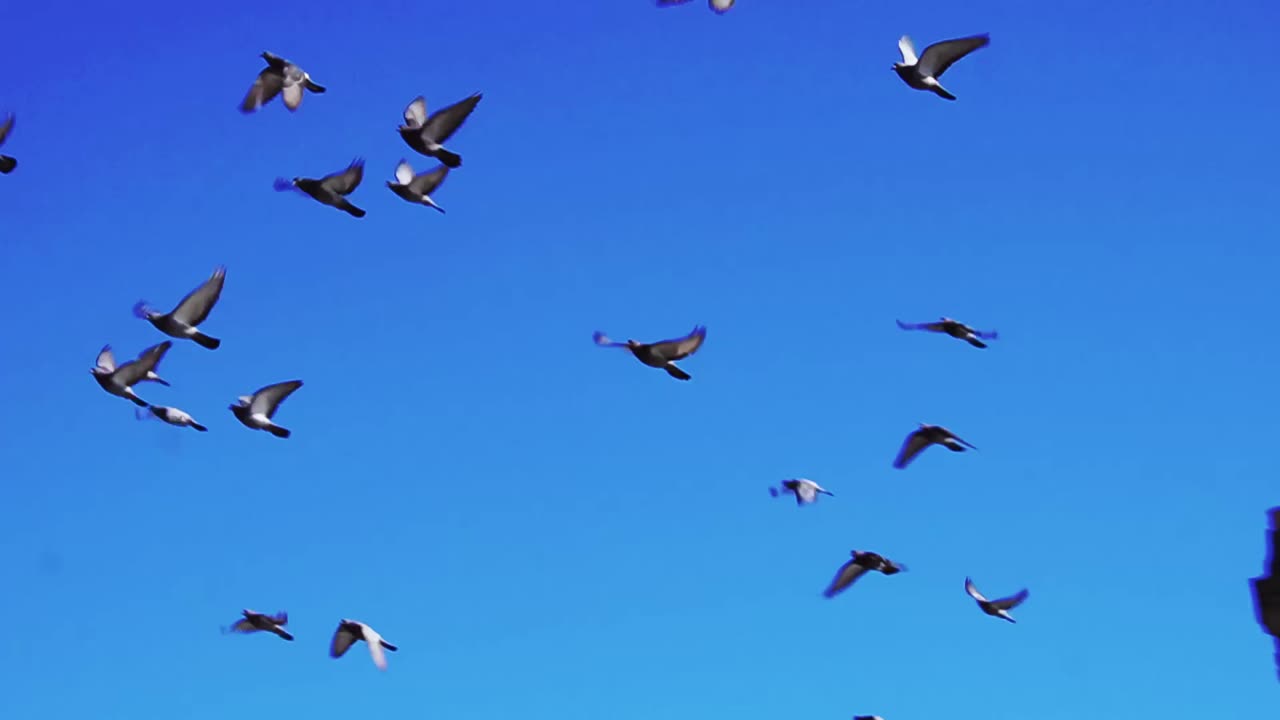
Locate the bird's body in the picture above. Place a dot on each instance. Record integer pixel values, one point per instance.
(955, 329)
(805, 490)
(718, 7)
(996, 608)
(119, 380)
(349, 631)
(184, 320)
(174, 416)
(256, 411)
(418, 188)
(260, 622)
(661, 354)
(924, 436)
(332, 189)
(428, 134)
(7, 164)
(922, 73)
(278, 76)
(858, 564)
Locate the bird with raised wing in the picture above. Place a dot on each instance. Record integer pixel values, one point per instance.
(7, 164)
(660, 354)
(253, 622)
(332, 189)
(922, 73)
(417, 188)
(349, 631)
(279, 75)
(805, 490)
(184, 320)
(996, 608)
(718, 7)
(955, 329)
(428, 135)
(255, 411)
(858, 564)
(924, 436)
(171, 415)
(119, 380)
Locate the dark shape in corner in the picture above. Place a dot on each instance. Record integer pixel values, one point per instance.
(1266, 589)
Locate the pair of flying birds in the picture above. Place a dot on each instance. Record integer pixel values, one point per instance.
(347, 634)
(861, 562)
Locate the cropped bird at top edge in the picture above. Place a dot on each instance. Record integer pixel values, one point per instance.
(120, 379)
(428, 134)
(350, 631)
(718, 7)
(184, 320)
(7, 164)
(996, 608)
(171, 415)
(955, 329)
(805, 490)
(662, 354)
(253, 622)
(859, 563)
(922, 73)
(417, 188)
(332, 189)
(257, 410)
(924, 436)
(278, 76)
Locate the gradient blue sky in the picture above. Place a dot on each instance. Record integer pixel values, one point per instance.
(551, 530)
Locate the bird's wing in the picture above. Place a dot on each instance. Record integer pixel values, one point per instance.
(345, 181)
(6, 127)
(910, 326)
(1013, 601)
(845, 576)
(426, 183)
(404, 172)
(269, 83)
(195, 307)
(445, 122)
(603, 340)
(243, 626)
(806, 491)
(908, 50)
(342, 639)
(106, 360)
(959, 439)
(415, 113)
(939, 56)
(679, 348)
(911, 447)
(374, 641)
(972, 589)
(292, 95)
(268, 399)
(135, 370)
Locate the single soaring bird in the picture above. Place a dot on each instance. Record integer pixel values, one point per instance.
(924, 436)
(996, 608)
(955, 329)
(660, 354)
(349, 631)
(418, 188)
(922, 73)
(171, 415)
(805, 490)
(279, 74)
(259, 622)
(255, 411)
(183, 320)
(332, 189)
(428, 135)
(119, 381)
(859, 563)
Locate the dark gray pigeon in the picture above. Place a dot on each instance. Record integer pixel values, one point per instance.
(255, 411)
(349, 631)
(119, 381)
(278, 75)
(171, 415)
(996, 608)
(955, 329)
(859, 563)
(719, 7)
(922, 73)
(7, 164)
(253, 622)
(427, 135)
(192, 310)
(924, 436)
(660, 354)
(418, 188)
(805, 490)
(331, 189)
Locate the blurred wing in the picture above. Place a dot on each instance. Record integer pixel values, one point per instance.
(6, 127)
(268, 399)
(911, 447)
(135, 370)
(1012, 601)
(960, 440)
(243, 626)
(909, 326)
(848, 573)
(908, 50)
(195, 307)
(426, 183)
(806, 492)
(342, 639)
(374, 641)
(347, 180)
(444, 123)
(404, 172)
(267, 86)
(106, 360)
(415, 114)
(603, 340)
(940, 56)
(972, 589)
(682, 347)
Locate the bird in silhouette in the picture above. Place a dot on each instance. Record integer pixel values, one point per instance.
(805, 490)
(253, 622)
(955, 329)
(418, 188)
(1266, 587)
(924, 436)
(171, 415)
(867, 717)
(858, 564)
(119, 381)
(996, 608)
(7, 164)
(278, 75)
(331, 189)
(349, 631)
(922, 73)
(719, 7)
(256, 411)
(428, 135)
(183, 320)
(660, 354)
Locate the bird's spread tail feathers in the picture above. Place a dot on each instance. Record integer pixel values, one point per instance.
(140, 309)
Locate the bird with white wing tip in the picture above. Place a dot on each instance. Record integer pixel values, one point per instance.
(859, 563)
(922, 73)
(418, 188)
(278, 76)
(349, 631)
(996, 608)
(184, 320)
(253, 622)
(955, 329)
(119, 380)
(7, 164)
(661, 354)
(924, 436)
(332, 189)
(171, 415)
(718, 7)
(256, 411)
(805, 490)
(427, 134)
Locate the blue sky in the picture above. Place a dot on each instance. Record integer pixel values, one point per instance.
(552, 530)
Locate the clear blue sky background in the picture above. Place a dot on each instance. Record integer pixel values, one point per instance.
(551, 530)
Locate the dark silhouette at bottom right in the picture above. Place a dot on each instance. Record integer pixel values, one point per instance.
(1266, 589)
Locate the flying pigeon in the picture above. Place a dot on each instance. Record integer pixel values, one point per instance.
(350, 631)
(719, 7)
(192, 310)
(7, 164)
(923, 73)
(418, 188)
(996, 608)
(255, 411)
(661, 354)
(859, 563)
(806, 490)
(279, 74)
(120, 380)
(924, 436)
(867, 717)
(955, 329)
(258, 622)
(427, 135)
(171, 415)
(331, 189)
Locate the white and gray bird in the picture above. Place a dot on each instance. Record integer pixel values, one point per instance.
(255, 411)
(858, 564)
(418, 188)
(332, 189)
(279, 75)
(7, 164)
(428, 135)
(184, 320)
(119, 381)
(955, 329)
(924, 436)
(718, 7)
(660, 354)
(922, 73)
(996, 608)
(349, 631)
(253, 622)
(171, 415)
(805, 490)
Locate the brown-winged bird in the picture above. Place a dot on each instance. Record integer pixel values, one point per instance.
(332, 189)
(922, 73)
(660, 354)
(428, 135)
(955, 329)
(192, 310)
(259, 622)
(7, 164)
(924, 436)
(859, 563)
(279, 75)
